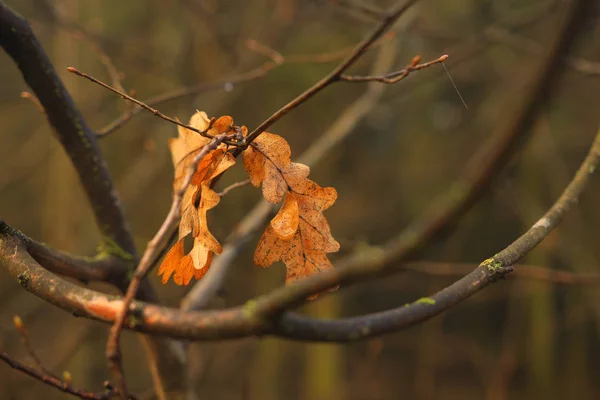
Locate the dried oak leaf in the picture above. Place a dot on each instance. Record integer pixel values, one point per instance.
(299, 235)
(197, 199)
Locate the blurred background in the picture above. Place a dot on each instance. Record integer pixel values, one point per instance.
(522, 338)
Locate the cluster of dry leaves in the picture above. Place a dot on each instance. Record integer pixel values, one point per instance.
(298, 235)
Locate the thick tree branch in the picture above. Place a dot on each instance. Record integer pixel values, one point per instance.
(78, 140)
(102, 268)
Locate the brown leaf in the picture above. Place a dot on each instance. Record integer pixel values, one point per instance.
(171, 261)
(299, 235)
(268, 156)
(302, 255)
(197, 199)
(285, 223)
(254, 162)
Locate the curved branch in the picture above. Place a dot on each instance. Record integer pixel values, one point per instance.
(483, 167)
(78, 140)
(488, 272)
(248, 320)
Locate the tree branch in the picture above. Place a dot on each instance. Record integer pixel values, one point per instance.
(249, 320)
(112, 346)
(461, 195)
(205, 289)
(397, 76)
(58, 383)
(387, 20)
(488, 272)
(78, 140)
(524, 271)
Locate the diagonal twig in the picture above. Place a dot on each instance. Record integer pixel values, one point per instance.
(112, 346)
(386, 22)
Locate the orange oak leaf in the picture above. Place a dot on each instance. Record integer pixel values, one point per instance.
(177, 262)
(299, 235)
(197, 199)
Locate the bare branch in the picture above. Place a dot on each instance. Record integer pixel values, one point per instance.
(388, 19)
(77, 138)
(524, 271)
(482, 168)
(233, 186)
(249, 319)
(51, 380)
(25, 340)
(395, 77)
(47, 377)
(144, 105)
(112, 347)
(205, 289)
(231, 82)
(225, 84)
(488, 272)
(79, 142)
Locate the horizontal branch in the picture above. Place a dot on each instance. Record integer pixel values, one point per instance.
(55, 382)
(249, 319)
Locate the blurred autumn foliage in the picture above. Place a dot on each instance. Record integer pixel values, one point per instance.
(522, 338)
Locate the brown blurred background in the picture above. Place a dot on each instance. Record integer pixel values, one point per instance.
(519, 339)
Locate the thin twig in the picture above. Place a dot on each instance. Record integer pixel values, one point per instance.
(25, 340)
(265, 50)
(146, 106)
(225, 84)
(386, 23)
(233, 186)
(228, 84)
(112, 347)
(114, 73)
(480, 171)
(56, 382)
(33, 98)
(366, 10)
(397, 76)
